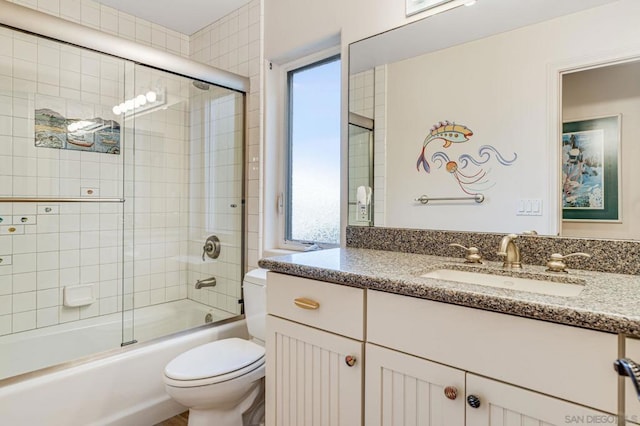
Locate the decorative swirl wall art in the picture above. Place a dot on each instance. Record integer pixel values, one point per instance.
(476, 179)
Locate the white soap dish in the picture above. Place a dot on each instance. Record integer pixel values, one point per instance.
(78, 295)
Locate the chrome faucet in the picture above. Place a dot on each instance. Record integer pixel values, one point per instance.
(510, 251)
(207, 282)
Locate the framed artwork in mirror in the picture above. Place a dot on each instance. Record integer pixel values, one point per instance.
(591, 169)
(415, 6)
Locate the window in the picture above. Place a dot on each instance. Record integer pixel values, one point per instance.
(313, 153)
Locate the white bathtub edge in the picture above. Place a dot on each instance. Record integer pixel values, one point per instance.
(124, 389)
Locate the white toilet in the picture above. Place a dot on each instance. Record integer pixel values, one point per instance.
(220, 380)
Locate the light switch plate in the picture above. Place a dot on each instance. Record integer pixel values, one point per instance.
(529, 207)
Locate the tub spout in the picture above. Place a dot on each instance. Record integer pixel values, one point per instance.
(208, 282)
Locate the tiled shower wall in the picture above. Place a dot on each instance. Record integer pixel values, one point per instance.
(234, 43)
(49, 246)
(157, 182)
(215, 188)
(85, 241)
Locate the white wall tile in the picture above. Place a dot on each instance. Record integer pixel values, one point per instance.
(47, 316)
(66, 314)
(23, 283)
(23, 302)
(48, 261)
(5, 324)
(23, 321)
(48, 298)
(6, 285)
(24, 244)
(47, 279)
(6, 304)
(24, 263)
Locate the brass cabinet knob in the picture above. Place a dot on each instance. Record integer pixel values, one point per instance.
(451, 392)
(350, 360)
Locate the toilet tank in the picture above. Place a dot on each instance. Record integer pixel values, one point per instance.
(255, 302)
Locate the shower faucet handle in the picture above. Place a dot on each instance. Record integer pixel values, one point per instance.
(211, 247)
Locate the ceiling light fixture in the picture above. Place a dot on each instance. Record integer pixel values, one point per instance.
(140, 103)
(434, 6)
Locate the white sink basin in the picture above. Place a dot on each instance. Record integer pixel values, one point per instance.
(551, 288)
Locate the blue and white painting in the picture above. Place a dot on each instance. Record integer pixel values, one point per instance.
(583, 170)
(53, 130)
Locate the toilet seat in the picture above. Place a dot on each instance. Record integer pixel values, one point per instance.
(214, 362)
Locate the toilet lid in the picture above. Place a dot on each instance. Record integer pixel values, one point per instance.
(214, 359)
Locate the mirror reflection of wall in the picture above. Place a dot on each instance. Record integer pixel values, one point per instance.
(601, 92)
(500, 86)
(366, 144)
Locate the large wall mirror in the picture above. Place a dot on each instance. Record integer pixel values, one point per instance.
(530, 107)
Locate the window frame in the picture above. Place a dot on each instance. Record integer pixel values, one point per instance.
(284, 192)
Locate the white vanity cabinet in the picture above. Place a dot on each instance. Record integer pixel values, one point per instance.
(314, 364)
(521, 371)
(424, 359)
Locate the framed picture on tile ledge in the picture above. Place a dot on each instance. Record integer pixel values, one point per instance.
(415, 6)
(591, 169)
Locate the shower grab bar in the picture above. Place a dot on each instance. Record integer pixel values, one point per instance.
(59, 200)
(424, 199)
(207, 282)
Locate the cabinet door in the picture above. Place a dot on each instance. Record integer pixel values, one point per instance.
(506, 405)
(308, 380)
(405, 390)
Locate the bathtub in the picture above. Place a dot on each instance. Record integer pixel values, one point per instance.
(122, 386)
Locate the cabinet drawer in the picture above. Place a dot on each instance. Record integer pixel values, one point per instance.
(340, 309)
(568, 362)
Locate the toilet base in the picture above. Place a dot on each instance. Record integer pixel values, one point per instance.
(222, 417)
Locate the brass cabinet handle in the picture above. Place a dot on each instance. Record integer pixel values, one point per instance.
(350, 360)
(304, 303)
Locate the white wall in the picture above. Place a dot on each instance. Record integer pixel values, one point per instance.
(604, 92)
(500, 90)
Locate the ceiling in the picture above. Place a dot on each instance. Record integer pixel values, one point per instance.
(185, 16)
(457, 26)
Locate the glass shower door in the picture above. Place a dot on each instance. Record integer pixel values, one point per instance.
(186, 185)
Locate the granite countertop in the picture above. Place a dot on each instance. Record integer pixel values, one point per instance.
(609, 302)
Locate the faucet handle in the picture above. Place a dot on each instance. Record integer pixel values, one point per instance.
(472, 254)
(556, 264)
